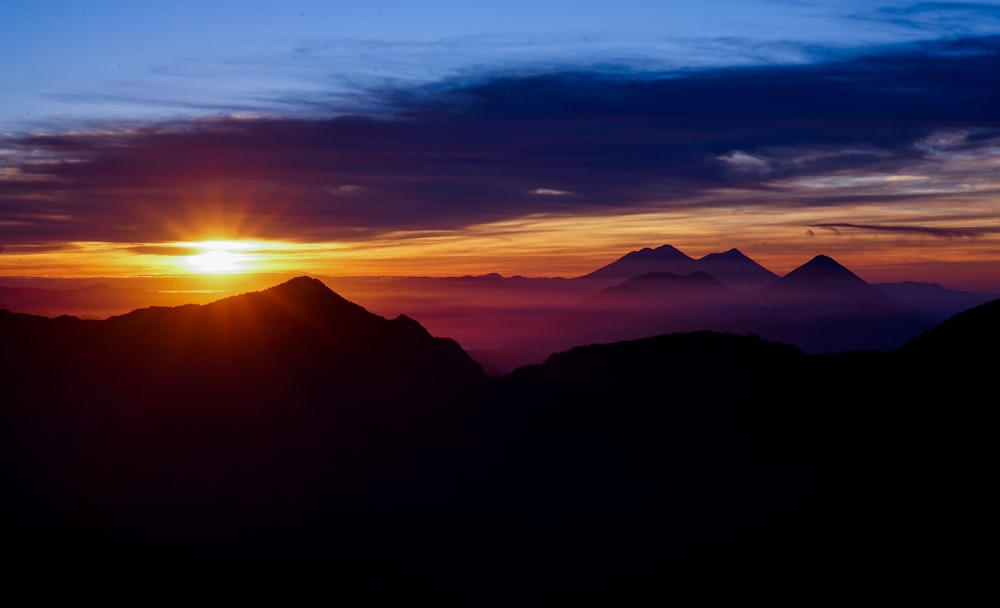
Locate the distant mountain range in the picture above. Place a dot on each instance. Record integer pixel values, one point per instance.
(292, 441)
(732, 268)
(933, 298)
(823, 282)
(504, 322)
(740, 273)
(820, 306)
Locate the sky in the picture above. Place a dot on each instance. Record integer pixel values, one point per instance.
(533, 138)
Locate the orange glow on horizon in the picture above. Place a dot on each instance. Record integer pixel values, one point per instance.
(780, 239)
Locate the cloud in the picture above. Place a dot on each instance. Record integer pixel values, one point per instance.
(956, 18)
(741, 162)
(549, 192)
(169, 250)
(922, 230)
(486, 147)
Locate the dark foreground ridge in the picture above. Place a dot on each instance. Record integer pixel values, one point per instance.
(289, 442)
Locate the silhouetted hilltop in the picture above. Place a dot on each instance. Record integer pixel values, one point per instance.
(824, 307)
(663, 252)
(731, 267)
(710, 421)
(952, 362)
(219, 419)
(820, 306)
(823, 278)
(290, 429)
(734, 269)
(664, 258)
(300, 323)
(971, 334)
(697, 357)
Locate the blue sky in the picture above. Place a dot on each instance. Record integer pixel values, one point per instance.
(552, 135)
(69, 61)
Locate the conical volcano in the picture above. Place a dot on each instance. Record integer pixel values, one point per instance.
(825, 280)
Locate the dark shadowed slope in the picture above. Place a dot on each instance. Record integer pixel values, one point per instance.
(306, 445)
(948, 376)
(300, 323)
(968, 341)
(298, 339)
(260, 413)
(810, 474)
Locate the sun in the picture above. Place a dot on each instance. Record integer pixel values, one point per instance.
(219, 257)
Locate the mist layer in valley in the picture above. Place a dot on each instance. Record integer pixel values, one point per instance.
(506, 322)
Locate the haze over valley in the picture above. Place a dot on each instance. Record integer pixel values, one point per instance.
(505, 322)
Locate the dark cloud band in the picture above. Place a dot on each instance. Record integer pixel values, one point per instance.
(490, 147)
(922, 230)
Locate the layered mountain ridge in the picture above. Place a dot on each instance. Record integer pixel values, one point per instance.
(290, 429)
(731, 267)
(505, 322)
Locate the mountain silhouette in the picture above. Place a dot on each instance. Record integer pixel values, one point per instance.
(301, 322)
(664, 258)
(966, 336)
(823, 278)
(263, 411)
(822, 306)
(729, 406)
(291, 438)
(732, 268)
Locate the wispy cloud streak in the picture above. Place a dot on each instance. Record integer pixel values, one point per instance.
(922, 230)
